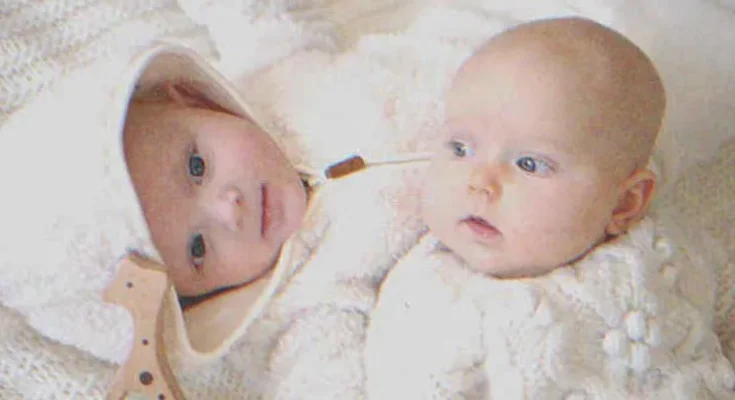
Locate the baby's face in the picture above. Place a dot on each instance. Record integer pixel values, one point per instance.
(219, 196)
(521, 185)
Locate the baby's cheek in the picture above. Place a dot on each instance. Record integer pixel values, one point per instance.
(430, 205)
(433, 198)
(183, 281)
(451, 180)
(568, 235)
(591, 216)
(541, 224)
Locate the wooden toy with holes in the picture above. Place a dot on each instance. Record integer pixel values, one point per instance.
(140, 287)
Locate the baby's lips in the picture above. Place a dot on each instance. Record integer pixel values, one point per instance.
(480, 226)
(264, 210)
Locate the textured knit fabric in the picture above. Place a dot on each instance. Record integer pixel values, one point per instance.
(701, 200)
(633, 319)
(41, 42)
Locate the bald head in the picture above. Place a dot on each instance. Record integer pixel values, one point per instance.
(594, 73)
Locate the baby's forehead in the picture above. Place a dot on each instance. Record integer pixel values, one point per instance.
(546, 70)
(539, 122)
(521, 97)
(547, 85)
(567, 49)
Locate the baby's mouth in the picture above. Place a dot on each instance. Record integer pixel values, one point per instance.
(265, 218)
(480, 227)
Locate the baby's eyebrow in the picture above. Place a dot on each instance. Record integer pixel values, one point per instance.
(455, 122)
(548, 145)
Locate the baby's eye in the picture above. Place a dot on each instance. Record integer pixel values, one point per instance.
(533, 165)
(197, 249)
(459, 149)
(197, 166)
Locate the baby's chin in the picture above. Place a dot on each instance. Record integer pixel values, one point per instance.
(495, 266)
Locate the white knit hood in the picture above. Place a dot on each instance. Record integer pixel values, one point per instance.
(70, 212)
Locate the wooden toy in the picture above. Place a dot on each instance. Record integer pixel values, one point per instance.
(140, 287)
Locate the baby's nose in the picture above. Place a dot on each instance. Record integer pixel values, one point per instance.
(228, 208)
(486, 180)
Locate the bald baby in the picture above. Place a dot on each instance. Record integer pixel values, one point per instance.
(596, 72)
(549, 129)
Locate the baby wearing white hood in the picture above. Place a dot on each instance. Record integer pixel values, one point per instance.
(150, 149)
(543, 277)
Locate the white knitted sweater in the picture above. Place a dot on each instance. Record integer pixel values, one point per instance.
(634, 319)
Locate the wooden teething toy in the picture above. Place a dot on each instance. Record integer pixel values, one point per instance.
(140, 287)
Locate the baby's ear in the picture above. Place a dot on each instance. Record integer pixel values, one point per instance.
(636, 195)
